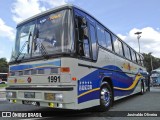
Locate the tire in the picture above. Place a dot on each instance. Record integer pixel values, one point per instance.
(142, 88)
(106, 97)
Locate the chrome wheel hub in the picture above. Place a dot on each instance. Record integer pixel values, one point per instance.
(105, 96)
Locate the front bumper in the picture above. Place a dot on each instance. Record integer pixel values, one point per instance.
(39, 96)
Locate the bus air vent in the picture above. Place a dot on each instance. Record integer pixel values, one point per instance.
(40, 71)
(54, 70)
(27, 72)
(20, 73)
(34, 71)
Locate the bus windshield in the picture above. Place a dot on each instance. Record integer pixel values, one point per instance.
(49, 34)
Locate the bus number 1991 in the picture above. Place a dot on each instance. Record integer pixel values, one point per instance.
(54, 79)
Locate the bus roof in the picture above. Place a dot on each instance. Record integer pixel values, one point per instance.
(46, 12)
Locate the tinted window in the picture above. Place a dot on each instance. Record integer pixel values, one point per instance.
(53, 33)
(133, 56)
(86, 48)
(101, 36)
(141, 60)
(126, 51)
(108, 41)
(117, 45)
(93, 39)
(120, 48)
(138, 59)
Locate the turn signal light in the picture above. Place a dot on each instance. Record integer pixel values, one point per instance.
(65, 69)
(74, 78)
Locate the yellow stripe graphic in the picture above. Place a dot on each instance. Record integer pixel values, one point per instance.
(118, 88)
(132, 86)
(88, 92)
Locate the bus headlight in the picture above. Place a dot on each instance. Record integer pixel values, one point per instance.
(59, 97)
(9, 94)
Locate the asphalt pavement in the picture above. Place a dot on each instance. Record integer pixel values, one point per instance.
(150, 102)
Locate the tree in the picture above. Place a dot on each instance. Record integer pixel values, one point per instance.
(147, 62)
(3, 65)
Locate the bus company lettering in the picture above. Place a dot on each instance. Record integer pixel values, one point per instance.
(85, 85)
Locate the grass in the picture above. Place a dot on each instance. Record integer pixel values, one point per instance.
(3, 85)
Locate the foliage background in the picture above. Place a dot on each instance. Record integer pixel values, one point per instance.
(3, 65)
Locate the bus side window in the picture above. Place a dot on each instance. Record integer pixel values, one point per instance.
(133, 56)
(101, 36)
(141, 59)
(93, 40)
(138, 59)
(127, 51)
(108, 40)
(117, 45)
(86, 48)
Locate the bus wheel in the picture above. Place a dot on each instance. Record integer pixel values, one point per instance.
(106, 97)
(142, 88)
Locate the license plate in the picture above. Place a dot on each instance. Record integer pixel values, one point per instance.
(30, 102)
(29, 95)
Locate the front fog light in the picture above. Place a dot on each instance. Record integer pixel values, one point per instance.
(59, 97)
(9, 94)
(14, 101)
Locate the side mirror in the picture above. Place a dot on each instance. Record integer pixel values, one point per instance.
(36, 34)
(83, 33)
(84, 22)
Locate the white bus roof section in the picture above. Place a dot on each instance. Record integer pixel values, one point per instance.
(47, 11)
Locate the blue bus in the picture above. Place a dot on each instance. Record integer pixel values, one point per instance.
(155, 77)
(65, 58)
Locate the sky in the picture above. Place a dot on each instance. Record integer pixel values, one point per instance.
(122, 17)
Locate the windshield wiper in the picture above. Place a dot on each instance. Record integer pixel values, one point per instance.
(22, 48)
(42, 50)
(40, 46)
